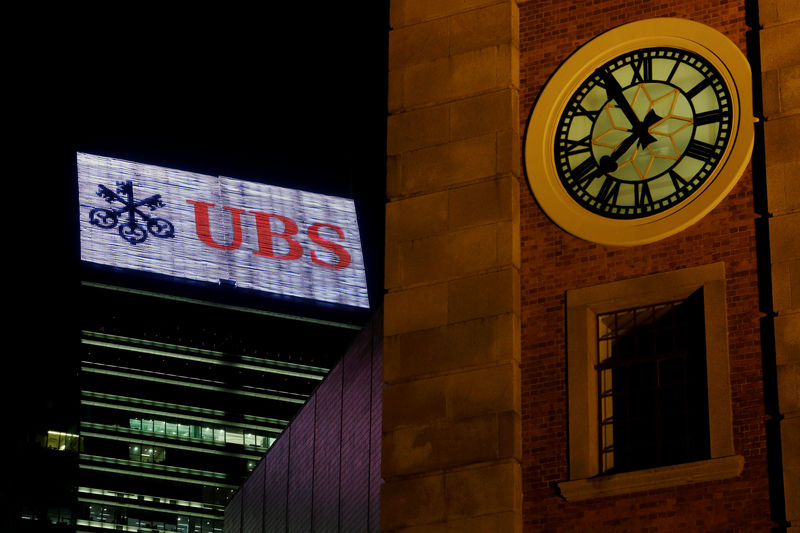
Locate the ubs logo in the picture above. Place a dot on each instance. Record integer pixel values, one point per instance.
(132, 221)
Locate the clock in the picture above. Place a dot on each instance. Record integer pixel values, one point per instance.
(641, 132)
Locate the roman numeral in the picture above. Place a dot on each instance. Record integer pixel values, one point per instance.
(609, 191)
(599, 78)
(699, 150)
(707, 117)
(642, 194)
(672, 72)
(581, 111)
(573, 147)
(694, 91)
(642, 70)
(586, 172)
(677, 180)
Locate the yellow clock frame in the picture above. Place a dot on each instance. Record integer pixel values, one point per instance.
(540, 131)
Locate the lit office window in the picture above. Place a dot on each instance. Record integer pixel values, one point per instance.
(58, 440)
(146, 454)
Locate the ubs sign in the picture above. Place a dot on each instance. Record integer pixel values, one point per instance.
(220, 230)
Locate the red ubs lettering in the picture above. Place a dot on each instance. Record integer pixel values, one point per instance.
(266, 235)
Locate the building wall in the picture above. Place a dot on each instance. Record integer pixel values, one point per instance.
(451, 419)
(477, 278)
(554, 262)
(779, 41)
(323, 473)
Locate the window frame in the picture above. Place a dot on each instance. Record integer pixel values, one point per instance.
(582, 307)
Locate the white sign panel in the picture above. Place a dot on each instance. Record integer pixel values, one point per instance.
(220, 230)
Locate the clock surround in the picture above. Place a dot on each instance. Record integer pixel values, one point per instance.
(641, 132)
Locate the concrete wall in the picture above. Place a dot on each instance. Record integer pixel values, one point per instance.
(323, 473)
(780, 76)
(451, 422)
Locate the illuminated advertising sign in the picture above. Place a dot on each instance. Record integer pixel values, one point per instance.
(220, 230)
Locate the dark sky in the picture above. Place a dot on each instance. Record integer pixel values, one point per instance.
(293, 95)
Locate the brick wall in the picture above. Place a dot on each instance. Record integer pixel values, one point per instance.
(553, 261)
(323, 473)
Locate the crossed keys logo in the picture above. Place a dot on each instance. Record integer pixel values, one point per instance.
(126, 215)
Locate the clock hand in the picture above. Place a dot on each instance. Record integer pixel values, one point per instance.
(608, 163)
(638, 127)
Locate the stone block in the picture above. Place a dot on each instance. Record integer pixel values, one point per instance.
(427, 83)
(487, 113)
(789, 78)
(417, 217)
(445, 257)
(442, 166)
(440, 445)
(789, 388)
(451, 347)
(417, 129)
(458, 76)
(509, 160)
(773, 12)
(409, 45)
(394, 98)
(415, 309)
(491, 489)
(394, 177)
(783, 188)
(783, 232)
(786, 286)
(407, 12)
(780, 138)
(484, 390)
(787, 338)
(493, 293)
(493, 25)
(417, 402)
(509, 245)
(439, 527)
(509, 522)
(414, 501)
(780, 45)
(790, 447)
(483, 202)
(770, 93)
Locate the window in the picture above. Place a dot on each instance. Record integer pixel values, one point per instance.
(648, 384)
(204, 432)
(651, 372)
(58, 440)
(146, 453)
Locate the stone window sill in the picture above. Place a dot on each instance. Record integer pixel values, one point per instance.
(651, 479)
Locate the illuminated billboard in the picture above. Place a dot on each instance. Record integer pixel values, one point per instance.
(220, 230)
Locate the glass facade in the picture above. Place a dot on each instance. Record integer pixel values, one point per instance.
(176, 410)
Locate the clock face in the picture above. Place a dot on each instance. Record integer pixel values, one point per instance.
(643, 132)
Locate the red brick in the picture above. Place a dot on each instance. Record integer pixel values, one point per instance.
(553, 261)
